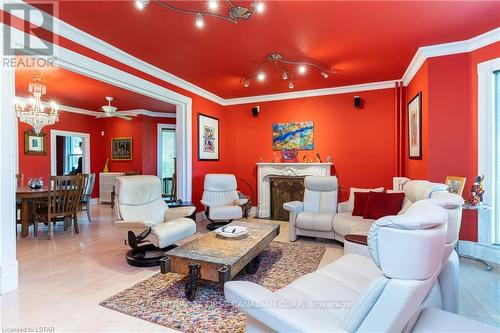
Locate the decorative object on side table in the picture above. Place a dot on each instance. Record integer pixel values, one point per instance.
(121, 149)
(476, 192)
(292, 135)
(34, 144)
(455, 184)
(415, 127)
(289, 155)
(208, 138)
(35, 183)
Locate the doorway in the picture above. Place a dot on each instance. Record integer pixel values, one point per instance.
(70, 153)
(167, 160)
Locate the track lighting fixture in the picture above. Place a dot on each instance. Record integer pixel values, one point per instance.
(235, 13)
(283, 66)
(199, 21)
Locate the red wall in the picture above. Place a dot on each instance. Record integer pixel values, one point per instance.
(361, 142)
(449, 92)
(143, 131)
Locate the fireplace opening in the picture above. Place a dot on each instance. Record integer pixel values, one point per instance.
(284, 189)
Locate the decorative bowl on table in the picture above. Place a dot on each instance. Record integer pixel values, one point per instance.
(289, 155)
(231, 231)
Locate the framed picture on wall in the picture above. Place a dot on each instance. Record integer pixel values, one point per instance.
(208, 138)
(34, 144)
(121, 149)
(415, 127)
(455, 184)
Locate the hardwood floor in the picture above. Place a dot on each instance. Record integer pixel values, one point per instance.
(63, 280)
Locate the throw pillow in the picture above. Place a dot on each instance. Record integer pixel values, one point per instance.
(380, 204)
(360, 199)
(350, 203)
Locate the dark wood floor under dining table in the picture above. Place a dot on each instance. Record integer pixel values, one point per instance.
(25, 195)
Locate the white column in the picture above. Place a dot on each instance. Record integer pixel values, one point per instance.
(8, 158)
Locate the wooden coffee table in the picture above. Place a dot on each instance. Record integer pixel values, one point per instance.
(215, 258)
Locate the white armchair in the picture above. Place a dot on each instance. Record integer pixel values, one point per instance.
(221, 200)
(349, 295)
(314, 216)
(151, 227)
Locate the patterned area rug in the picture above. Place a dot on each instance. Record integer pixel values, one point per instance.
(160, 299)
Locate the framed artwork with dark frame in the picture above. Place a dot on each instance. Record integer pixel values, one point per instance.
(415, 127)
(121, 149)
(34, 144)
(208, 138)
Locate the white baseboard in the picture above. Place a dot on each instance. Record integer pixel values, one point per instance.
(485, 252)
(9, 278)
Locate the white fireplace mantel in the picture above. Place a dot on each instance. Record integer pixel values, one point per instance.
(266, 170)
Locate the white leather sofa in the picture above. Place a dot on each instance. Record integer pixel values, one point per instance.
(221, 200)
(314, 216)
(148, 223)
(380, 293)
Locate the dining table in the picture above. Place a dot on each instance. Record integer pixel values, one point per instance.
(25, 194)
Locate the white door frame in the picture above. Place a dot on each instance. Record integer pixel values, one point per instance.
(53, 149)
(159, 145)
(83, 65)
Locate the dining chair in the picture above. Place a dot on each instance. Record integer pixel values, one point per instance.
(19, 183)
(63, 202)
(88, 186)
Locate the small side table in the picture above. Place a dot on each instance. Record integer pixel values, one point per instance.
(183, 204)
(478, 207)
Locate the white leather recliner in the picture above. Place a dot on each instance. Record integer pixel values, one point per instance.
(151, 227)
(314, 216)
(221, 199)
(349, 295)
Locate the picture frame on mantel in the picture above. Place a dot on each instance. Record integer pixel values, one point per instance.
(208, 138)
(415, 127)
(34, 144)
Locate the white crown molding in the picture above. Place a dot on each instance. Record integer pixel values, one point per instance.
(86, 112)
(313, 93)
(78, 36)
(468, 45)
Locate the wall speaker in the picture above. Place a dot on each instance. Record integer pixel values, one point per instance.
(357, 102)
(255, 111)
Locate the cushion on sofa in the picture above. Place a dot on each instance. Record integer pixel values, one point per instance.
(344, 222)
(350, 202)
(380, 204)
(360, 199)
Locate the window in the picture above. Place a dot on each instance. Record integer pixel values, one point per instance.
(74, 155)
(496, 159)
(489, 149)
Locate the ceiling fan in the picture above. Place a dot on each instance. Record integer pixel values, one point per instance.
(110, 111)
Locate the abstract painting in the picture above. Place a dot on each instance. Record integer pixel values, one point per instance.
(208, 138)
(292, 135)
(415, 127)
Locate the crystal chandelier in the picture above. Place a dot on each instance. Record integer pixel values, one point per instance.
(234, 14)
(33, 112)
(283, 66)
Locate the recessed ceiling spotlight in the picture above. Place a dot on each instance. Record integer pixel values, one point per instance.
(199, 21)
(324, 74)
(284, 76)
(141, 4)
(302, 69)
(246, 83)
(261, 76)
(290, 85)
(213, 4)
